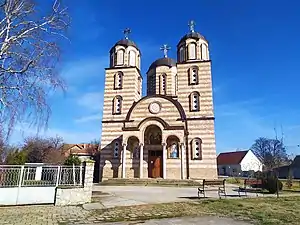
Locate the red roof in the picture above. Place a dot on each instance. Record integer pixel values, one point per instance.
(231, 158)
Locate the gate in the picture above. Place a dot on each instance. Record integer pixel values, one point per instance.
(36, 184)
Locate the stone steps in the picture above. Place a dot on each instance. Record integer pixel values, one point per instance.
(148, 182)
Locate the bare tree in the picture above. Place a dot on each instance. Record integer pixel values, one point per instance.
(29, 52)
(271, 152)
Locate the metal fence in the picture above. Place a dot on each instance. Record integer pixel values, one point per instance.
(41, 176)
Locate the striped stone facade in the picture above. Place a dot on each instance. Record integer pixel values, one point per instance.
(170, 132)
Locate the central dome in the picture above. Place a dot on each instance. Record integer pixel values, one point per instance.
(163, 62)
(193, 35)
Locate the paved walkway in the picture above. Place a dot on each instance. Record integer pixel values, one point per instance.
(187, 221)
(139, 195)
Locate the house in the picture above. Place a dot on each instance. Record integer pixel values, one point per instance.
(290, 170)
(239, 163)
(83, 151)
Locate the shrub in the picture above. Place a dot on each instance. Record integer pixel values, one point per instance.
(72, 159)
(271, 184)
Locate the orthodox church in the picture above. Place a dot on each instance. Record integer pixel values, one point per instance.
(169, 133)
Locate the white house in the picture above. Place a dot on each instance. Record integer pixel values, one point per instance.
(238, 163)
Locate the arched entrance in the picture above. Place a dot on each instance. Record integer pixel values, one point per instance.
(153, 143)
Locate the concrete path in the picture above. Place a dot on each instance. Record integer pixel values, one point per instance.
(139, 195)
(186, 221)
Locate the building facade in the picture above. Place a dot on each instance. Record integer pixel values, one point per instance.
(169, 133)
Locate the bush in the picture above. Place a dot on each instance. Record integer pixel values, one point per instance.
(72, 159)
(271, 184)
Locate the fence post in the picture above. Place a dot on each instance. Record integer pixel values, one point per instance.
(21, 176)
(80, 176)
(58, 176)
(74, 181)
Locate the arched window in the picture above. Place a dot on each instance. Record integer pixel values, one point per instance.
(192, 51)
(120, 57)
(116, 149)
(194, 102)
(117, 105)
(204, 52)
(151, 84)
(196, 148)
(118, 80)
(163, 81)
(181, 54)
(112, 56)
(132, 58)
(193, 75)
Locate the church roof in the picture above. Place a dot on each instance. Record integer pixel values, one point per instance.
(162, 62)
(194, 35)
(125, 43)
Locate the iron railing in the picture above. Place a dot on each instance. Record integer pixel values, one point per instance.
(41, 176)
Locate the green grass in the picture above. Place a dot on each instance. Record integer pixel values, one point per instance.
(263, 211)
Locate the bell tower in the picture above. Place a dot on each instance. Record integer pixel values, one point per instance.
(123, 86)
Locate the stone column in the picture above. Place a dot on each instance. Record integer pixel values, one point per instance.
(164, 160)
(182, 160)
(124, 161)
(141, 160)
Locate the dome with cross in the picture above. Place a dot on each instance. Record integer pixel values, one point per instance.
(192, 33)
(125, 53)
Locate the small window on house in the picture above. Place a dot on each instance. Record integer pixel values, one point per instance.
(194, 102)
(163, 84)
(118, 80)
(116, 149)
(197, 148)
(193, 73)
(132, 58)
(181, 54)
(192, 51)
(117, 105)
(120, 57)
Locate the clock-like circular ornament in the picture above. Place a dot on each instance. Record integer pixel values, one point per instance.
(154, 107)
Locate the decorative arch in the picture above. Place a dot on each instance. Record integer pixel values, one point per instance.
(117, 105)
(153, 135)
(196, 146)
(173, 146)
(133, 147)
(176, 104)
(193, 75)
(192, 50)
(118, 80)
(181, 54)
(204, 51)
(194, 101)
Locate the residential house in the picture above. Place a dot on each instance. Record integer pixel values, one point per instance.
(293, 169)
(83, 151)
(238, 163)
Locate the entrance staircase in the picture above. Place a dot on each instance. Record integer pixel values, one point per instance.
(149, 182)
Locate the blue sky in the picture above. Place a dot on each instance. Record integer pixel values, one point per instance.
(254, 48)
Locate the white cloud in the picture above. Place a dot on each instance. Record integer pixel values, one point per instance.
(90, 118)
(92, 101)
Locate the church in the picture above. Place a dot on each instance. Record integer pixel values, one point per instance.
(169, 133)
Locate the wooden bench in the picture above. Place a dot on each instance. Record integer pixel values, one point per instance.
(251, 182)
(212, 185)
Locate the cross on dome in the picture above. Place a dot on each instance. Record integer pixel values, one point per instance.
(165, 48)
(126, 32)
(192, 24)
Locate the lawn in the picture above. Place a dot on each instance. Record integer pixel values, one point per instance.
(262, 211)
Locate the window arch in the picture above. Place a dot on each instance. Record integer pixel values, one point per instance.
(120, 57)
(151, 84)
(181, 54)
(132, 58)
(163, 80)
(194, 102)
(193, 75)
(117, 104)
(118, 80)
(116, 149)
(204, 52)
(192, 51)
(196, 148)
